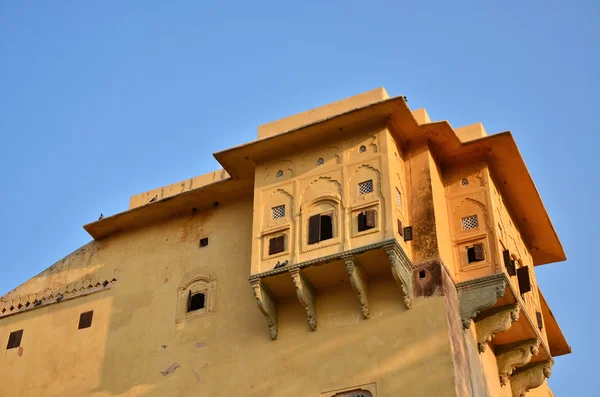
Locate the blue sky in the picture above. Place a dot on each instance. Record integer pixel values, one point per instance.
(100, 101)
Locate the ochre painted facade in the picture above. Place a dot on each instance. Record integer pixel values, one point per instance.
(357, 249)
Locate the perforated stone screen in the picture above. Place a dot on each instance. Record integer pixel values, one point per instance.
(470, 222)
(278, 212)
(365, 187)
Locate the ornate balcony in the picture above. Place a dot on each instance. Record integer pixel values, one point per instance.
(305, 279)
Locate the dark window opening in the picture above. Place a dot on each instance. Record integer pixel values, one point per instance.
(320, 228)
(475, 253)
(14, 339)
(408, 233)
(366, 220)
(400, 228)
(524, 280)
(509, 263)
(204, 242)
(276, 245)
(538, 315)
(85, 320)
(422, 274)
(195, 302)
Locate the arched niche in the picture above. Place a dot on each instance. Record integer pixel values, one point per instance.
(272, 213)
(362, 147)
(362, 174)
(191, 287)
(278, 171)
(329, 154)
(470, 216)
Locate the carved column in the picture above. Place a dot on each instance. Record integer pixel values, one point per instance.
(358, 279)
(266, 304)
(530, 377)
(498, 322)
(479, 294)
(511, 357)
(402, 271)
(306, 296)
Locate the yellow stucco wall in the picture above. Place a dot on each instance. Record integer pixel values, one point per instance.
(134, 335)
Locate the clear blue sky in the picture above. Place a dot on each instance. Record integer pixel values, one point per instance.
(102, 101)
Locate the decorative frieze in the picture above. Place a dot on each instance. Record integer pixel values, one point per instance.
(529, 378)
(267, 305)
(47, 297)
(402, 271)
(359, 282)
(495, 323)
(306, 296)
(479, 294)
(515, 356)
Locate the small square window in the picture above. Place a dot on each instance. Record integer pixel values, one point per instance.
(204, 242)
(470, 222)
(278, 212)
(365, 187)
(14, 339)
(196, 302)
(276, 245)
(366, 220)
(475, 253)
(398, 199)
(85, 320)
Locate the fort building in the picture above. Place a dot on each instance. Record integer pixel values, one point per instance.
(358, 249)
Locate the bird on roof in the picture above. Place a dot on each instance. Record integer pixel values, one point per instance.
(153, 199)
(284, 263)
(277, 265)
(101, 216)
(59, 298)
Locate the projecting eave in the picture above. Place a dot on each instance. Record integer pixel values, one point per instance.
(499, 151)
(198, 199)
(556, 340)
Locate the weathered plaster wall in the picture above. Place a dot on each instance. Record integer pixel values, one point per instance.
(136, 348)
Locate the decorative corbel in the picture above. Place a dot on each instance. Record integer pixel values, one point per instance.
(476, 295)
(402, 271)
(267, 305)
(511, 357)
(530, 377)
(358, 279)
(498, 322)
(306, 296)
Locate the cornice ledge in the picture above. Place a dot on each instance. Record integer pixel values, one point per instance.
(266, 304)
(476, 295)
(306, 296)
(511, 357)
(530, 377)
(325, 259)
(402, 269)
(359, 282)
(495, 323)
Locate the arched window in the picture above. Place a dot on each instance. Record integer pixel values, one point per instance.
(320, 161)
(279, 174)
(362, 149)
(196, 298)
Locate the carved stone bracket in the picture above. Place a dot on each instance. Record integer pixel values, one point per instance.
(530, 377)
(402, 271)
(476, 295)
(495, 323)
(358, 279)
(267, 305)
(306, 296)
(511, 357)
